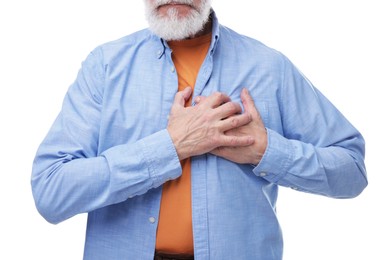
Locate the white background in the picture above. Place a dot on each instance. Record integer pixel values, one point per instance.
(342, 46)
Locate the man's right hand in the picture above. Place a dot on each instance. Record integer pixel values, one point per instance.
(200, 129)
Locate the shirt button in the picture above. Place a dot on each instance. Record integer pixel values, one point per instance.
(263, 174)
(152, 220)
(294, 188)
(159, 52)
(173, 69)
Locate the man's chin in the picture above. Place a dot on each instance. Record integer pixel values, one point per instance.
(181, 10)
(178, 29)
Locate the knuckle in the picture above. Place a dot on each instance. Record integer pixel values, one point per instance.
(218, 94)
(233, 141)
(230, 106)
(235, 122)
(248, 117)
(219, 97)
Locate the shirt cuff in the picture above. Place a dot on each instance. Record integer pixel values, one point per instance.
(161, 157)
(277, 158)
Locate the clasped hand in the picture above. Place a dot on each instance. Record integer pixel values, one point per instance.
(217, 125)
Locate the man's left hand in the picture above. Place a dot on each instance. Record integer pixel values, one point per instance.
(251, 154)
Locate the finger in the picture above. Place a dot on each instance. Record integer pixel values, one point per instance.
(199, 99)
(222, 151)
(236, 141)
(182, 96)
(235, 121)
(249, 104)
(227, 109)
(216, 99)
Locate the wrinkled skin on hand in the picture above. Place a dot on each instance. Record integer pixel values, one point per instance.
(255, 128)
(214, 124)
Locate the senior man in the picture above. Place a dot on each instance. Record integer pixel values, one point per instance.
(174, 140)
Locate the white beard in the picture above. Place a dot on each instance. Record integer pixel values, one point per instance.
(173, 27)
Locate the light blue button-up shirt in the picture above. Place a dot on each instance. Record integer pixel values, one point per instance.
(108, 152)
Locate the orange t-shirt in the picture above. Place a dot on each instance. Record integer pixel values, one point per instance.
(174, 231)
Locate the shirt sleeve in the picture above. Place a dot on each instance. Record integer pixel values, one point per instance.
(70, 177)
(318, 150)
